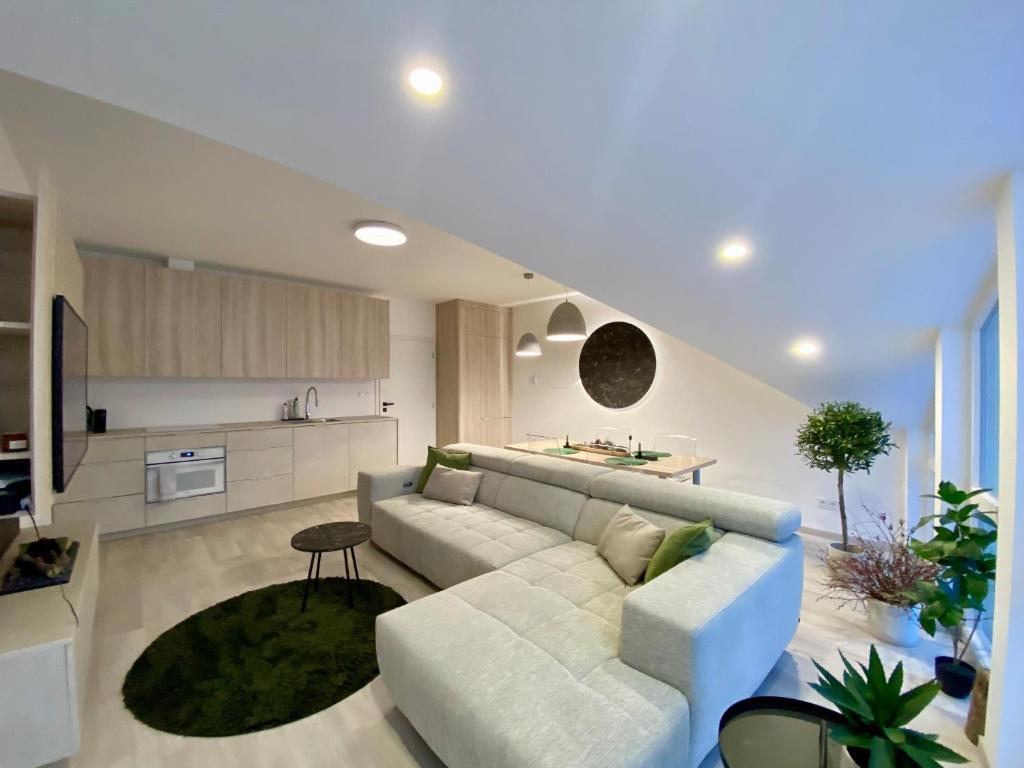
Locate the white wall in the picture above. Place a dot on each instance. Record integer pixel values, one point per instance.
(12, 177)
(745, 424)
(141, 402)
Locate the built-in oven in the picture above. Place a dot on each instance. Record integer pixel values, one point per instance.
(181, 474)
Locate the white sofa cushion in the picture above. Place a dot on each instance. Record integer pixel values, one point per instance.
(449, 543)
(521, 667)
(549, 505)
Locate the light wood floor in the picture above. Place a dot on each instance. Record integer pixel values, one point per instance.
(151, 582)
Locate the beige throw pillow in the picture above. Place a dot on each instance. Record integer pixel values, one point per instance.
(628, 544)
(456, 486)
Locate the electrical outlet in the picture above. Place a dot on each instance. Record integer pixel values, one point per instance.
(826, 503)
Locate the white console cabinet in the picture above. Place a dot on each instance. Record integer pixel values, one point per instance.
(44, 657)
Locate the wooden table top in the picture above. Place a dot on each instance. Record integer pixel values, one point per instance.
(669, 466)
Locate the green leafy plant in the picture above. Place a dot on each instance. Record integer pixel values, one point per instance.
(961, 546)
(876, 711)
(846, 437)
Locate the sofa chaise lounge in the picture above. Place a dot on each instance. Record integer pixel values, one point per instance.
(537, 654)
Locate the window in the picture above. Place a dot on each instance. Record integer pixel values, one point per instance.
(988, 393)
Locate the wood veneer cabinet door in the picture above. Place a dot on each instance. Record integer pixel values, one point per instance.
(254, 317)
(321, 460)
(183, 323)
(115, 301)
(314, 349)
(365, 337)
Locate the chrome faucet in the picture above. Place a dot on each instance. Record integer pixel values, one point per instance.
(316, 399)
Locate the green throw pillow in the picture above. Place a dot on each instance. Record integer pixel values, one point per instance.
(435, 456)
(681, 544)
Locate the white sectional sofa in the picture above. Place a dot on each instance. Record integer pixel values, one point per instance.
(537, 654)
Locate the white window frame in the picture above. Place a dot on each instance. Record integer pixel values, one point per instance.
(977, 321)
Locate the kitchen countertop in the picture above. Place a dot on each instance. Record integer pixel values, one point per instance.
(239, 426)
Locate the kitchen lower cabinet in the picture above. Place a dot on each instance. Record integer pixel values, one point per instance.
(374, 445)
(321, 460)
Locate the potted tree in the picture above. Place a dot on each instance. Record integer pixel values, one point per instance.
(846, 437)
(883, 579)
(876, 710)
(961, 545)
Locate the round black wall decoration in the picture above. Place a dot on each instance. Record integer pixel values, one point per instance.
(617, 365)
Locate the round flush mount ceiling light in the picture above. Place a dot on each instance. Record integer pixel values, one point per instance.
(805, 348)
(380, 233)
(426, 82)
(734, 251)
(567, 323)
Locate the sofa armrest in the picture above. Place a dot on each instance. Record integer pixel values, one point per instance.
(715, 625)
(372, 487)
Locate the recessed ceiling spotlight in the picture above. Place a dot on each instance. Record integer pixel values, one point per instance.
(805, 348)
(734, 251)
(380, 233)
(426, 82)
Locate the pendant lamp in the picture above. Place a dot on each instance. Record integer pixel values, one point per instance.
(567, 323)
(528, 345)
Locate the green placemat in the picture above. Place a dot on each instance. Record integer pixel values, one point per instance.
(655, 454)
(561, 451)
(624, 461)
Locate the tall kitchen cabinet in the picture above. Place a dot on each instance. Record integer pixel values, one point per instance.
(474, 373)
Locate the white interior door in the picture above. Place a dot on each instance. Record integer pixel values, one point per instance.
(410, 390)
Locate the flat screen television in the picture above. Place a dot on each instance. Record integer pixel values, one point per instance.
(70, 381)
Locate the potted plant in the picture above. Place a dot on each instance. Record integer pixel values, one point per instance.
(845, 437)
(876, 710)
(883, 579)
(961, 545)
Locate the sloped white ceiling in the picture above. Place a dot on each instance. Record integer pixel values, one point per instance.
(611, 145)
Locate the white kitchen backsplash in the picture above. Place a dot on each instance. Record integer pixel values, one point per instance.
(167, 402)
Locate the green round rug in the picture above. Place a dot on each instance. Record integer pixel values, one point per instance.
(254, 661)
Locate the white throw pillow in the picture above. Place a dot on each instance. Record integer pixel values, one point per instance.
(628, 544)
(456, 486)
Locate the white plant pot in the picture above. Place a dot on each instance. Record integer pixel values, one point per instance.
(893, 624)
(837, 554)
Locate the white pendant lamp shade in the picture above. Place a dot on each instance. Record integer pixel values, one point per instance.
(567, 323)
(528, 346)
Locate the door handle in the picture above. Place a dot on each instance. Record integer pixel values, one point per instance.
(386, 404)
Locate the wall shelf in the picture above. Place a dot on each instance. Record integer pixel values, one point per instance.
(13, 328)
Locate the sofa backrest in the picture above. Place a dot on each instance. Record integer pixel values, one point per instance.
(579, 499)
(728, 510)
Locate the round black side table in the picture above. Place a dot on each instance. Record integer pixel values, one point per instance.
(330, 537)
(776, 732)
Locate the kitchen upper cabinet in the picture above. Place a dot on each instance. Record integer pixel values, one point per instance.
(314, 333)
(115, 301)
(146, 320)
(254, 317)
(183, 323)
(365, 337)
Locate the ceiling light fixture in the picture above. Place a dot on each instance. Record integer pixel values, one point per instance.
(805, 348)
(426, 82)
(734, 251)
(381, 233)
(567, 323)
(528, 345)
